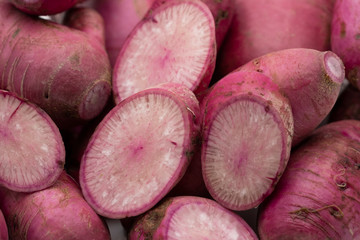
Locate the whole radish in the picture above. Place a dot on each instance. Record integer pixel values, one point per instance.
(64, 71)
(58, 212)
(318, 195)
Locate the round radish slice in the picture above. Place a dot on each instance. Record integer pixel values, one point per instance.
(138, 153)
(247, 133)
(174, 43)
(191, 218)
(32, 151)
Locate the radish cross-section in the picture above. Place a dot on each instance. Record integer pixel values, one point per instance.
(32, 153)
(245, 166)
(174, 43)
(137, 154)
(247, 132)
(191, 218)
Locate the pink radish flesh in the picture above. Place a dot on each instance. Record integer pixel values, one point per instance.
(32, 152)
(136, 154)
(175, 44)
(243, 152)
(199, 221)
(188, 217)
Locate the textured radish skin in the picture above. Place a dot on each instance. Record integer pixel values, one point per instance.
(117, 190)
(310, 79)
(32, 153)
(166, 47)
(60, 69)
(347, 106)
(120, 17)
(44, 7)
(226, 154)
(189, 217)
(260, 27)
(318, 194)
(58, 212)
(345, 37)
(3, 228)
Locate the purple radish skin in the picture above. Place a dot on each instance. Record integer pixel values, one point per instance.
(64, 71)
(58, 212)
(310, 79)
(318, 195)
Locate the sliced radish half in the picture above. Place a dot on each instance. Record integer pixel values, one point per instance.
(191, 218)
(174, 43)
(32, 153)
(138, 153)
(247, 133)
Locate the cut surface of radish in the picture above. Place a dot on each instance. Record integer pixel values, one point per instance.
(136, 154)
(243, 153)
(247, 132)
(174, 44)
(32, 152)
(189, 217)
(202, 221)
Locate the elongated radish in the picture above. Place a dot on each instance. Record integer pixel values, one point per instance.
(57, 212)
(174, 43)
(191, 218)
(139, 151)
(32, 153)
(318, 195)
(247, 131)
(310, 79)
(63, 70)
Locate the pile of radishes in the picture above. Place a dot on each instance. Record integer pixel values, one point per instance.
(176, 117)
